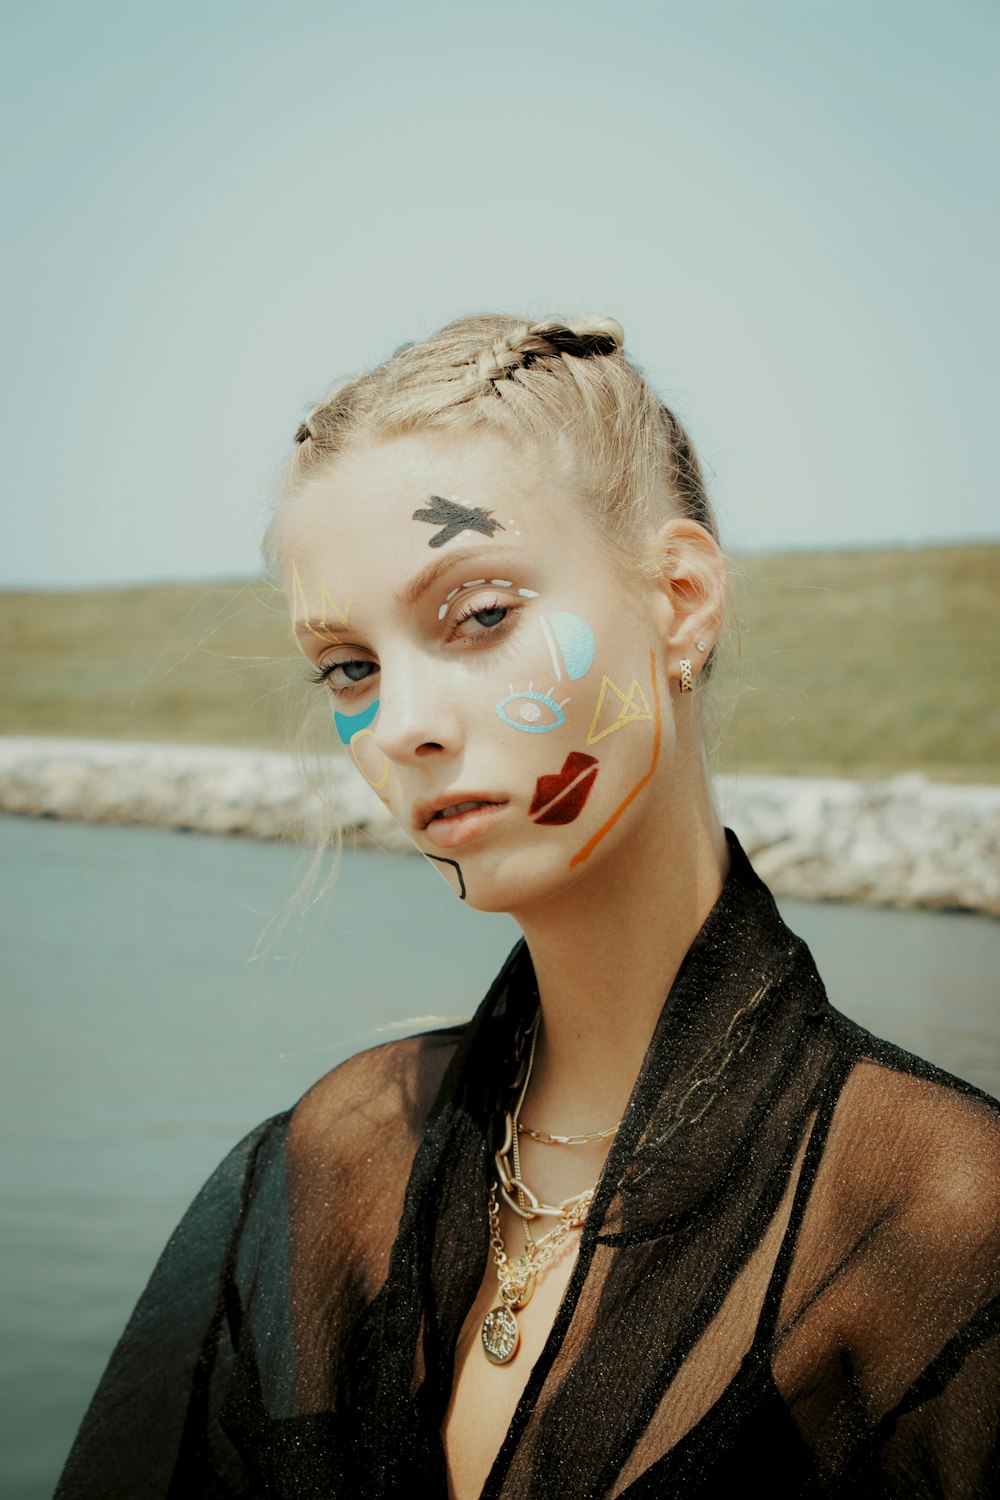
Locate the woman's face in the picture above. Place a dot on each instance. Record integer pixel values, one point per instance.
(489, 672)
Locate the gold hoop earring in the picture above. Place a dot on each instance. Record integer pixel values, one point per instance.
(687, 681)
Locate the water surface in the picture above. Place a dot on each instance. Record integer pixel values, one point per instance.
(141, 1041)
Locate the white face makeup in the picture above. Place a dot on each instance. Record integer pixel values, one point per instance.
(491, 676)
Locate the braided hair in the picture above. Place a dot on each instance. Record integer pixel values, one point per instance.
(556, 382)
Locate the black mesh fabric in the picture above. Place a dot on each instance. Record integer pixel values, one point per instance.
(790, 1271)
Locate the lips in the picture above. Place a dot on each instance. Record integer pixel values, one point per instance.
(561, 798)
(457, 807)
(451, 805)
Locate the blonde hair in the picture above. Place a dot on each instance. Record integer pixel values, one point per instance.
(560, 383)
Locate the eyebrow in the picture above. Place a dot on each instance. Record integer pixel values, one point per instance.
(406, 597)
(414, 591)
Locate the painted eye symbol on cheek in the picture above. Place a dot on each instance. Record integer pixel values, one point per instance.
(534, 713)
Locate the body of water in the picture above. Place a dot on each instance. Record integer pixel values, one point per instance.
(142, 1039)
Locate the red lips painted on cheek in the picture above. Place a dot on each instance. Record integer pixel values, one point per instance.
(562, 797)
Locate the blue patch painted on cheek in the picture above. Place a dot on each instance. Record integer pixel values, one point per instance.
(348, 725)
(576, 642)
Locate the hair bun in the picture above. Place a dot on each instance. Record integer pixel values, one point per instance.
(583, 337)
(519, 347)
(306, 429)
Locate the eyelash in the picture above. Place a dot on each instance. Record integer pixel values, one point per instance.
(322, 675)
(472, 609)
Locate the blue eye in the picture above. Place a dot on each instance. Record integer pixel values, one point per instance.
(490, 616)
(357, 671)
(353, 672)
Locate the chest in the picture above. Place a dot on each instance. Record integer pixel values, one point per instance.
(485, 1396)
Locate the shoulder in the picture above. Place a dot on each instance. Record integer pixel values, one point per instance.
(385, 1091)
(918, 1152)
(351, 1143)
(899, 1247)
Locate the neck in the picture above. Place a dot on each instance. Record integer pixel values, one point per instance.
(606, 953)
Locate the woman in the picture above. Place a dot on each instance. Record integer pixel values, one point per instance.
(658, 1218)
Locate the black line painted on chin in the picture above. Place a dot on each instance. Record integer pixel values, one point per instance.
(458, 870)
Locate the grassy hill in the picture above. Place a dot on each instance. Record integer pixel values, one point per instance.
(856, 663)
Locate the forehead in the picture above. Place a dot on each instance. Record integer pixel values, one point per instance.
(382, 513)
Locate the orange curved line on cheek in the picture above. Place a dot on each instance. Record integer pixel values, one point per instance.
(593, 842)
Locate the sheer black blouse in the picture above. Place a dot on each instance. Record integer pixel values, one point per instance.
(790, 1271)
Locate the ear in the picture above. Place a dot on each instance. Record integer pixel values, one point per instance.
(691, 592)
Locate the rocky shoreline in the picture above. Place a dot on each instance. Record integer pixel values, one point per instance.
(904, 841)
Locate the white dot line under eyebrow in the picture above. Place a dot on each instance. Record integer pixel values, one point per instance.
(503, 583)
(449, 597)
(528, 593)
(474, 584)
(442, 611)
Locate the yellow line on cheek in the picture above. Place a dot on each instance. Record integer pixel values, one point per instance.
(386, 763)
(593, 842)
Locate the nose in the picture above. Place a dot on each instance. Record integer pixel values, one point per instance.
(419, 711)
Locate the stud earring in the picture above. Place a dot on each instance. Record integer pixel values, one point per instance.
(701, 645)
(687, 682)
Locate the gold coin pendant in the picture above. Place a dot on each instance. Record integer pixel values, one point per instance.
(500, 1335)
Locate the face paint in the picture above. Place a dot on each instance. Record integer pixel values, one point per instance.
(529, 711)
(331, 614)
(348, 725)
(561, 798)
(440, 860)
(370, 759)
(632, 709)
(571, 639)
(475, 583)
(606, 827)
(454, 518)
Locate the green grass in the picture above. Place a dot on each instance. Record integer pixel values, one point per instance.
(858, 663)
(864, 663)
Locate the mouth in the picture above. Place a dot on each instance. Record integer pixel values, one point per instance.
(438, 810)
(458, 808)
(448, 823)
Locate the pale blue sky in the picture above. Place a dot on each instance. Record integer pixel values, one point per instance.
(217, 208)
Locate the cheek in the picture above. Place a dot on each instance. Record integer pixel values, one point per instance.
(618, 705)
(357, 733)
(599, 703)
(371, 760)
(559, 649)
(531, 712)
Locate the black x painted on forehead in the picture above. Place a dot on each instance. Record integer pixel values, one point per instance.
(454, 518)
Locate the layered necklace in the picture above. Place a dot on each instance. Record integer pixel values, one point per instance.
(518, 1274)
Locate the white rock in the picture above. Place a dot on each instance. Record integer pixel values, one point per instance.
(904, 841)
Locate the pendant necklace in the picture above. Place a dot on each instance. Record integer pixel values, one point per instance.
(518, 1274)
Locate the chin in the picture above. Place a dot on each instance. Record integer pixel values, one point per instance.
(514, 883)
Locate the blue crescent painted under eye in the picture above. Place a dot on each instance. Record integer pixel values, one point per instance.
(348, 725)
(528, 702)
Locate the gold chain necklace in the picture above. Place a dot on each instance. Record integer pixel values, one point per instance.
(544, 1139)
(517, 1275)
